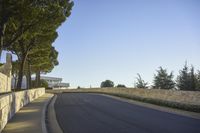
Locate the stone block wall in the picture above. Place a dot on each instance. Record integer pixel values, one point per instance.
(5, 83)
(13, 102)
(5, 75)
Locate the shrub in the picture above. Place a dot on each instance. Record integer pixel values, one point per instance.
(107, 83)
(121, 86)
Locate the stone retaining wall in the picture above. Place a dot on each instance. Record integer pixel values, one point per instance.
(5, 75)
(5, 83)
(12, 102)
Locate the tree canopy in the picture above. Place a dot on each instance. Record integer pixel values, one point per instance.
(28, 29)
(140, 83)
(186, 79)
(163, 80)
(107, 83)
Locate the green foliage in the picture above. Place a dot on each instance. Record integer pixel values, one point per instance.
(121, 86)
(107, 83)
(198, 80)
(163, 80)
(186, 79)
(140, 83)
(20, 18)
(27, 27)
(43, 83)
(78, 87)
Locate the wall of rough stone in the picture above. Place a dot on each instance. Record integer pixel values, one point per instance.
(5, 83)
(12, 102)
(5, 75)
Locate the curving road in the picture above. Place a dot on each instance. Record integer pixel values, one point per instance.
(93, 113)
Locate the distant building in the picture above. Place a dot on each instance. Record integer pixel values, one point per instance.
(53, 82)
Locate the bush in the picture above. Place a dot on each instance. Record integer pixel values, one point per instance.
(78, 87)
(121, 86)
(107, 83)
(43, 83)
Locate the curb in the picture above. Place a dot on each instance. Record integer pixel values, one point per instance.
(53, 125)
(43, 119)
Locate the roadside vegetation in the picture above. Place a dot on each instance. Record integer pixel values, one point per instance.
(184, 100)
(181, 93)
(187, 80)
(28, 30)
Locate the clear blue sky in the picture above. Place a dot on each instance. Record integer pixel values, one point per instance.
(116, 39)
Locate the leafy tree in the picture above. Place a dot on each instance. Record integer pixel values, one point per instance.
(186, 79)
(107, 83)
(26, 30)
(47, 66)
(20, 17)
(163, 80)
(8, 9)
(42, 58)
(140, 83)
(121, 86)
(43, 83)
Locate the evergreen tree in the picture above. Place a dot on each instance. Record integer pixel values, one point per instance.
(33, 22)
(186, 79)
(192, 79)
(107, 83)
(198, 80)
(163, 80)
(140, 83)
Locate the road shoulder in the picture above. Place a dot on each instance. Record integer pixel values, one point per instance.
(53, 126)
(157, 107)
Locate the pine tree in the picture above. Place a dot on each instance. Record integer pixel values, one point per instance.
(186, 79)
(163, 80)
(198, 80)
(140, 83)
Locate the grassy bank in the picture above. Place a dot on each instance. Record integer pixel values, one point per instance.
(185, 100)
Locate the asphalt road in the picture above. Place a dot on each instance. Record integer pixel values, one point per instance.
(93, 113)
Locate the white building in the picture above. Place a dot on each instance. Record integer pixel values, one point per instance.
(53, 82)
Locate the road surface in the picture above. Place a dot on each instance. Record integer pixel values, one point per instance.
(94, 113)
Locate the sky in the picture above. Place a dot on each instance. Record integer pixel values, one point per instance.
(115, 40)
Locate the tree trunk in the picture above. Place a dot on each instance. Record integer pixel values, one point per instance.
(2, 31)
(20, 74)
(37, 78)
(27, 82)
(3, 22)
(29, 85)
(15, 84)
